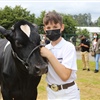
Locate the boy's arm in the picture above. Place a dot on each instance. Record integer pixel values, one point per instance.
(63, 72)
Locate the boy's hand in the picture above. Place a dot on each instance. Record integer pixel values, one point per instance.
(82, 44)
(45, 52)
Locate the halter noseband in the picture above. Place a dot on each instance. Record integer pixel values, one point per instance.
(25, 63)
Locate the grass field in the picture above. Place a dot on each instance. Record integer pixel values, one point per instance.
(88, 83)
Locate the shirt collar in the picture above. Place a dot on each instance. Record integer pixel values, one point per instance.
(59, 45)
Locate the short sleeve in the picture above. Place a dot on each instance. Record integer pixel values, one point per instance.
(69, 58)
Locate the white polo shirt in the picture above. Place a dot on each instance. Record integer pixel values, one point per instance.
(65, 52)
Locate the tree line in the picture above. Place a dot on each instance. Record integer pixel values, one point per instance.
(9, 15)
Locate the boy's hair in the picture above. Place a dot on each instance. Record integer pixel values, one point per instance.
(52, 17)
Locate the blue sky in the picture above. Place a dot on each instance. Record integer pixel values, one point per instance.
(62, 6)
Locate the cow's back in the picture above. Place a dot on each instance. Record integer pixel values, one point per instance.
(2, 45)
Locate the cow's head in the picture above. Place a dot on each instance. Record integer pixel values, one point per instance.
(25, 42)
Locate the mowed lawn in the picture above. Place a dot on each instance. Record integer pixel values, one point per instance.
(88, 83)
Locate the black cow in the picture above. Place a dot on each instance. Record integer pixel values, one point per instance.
(21, 64)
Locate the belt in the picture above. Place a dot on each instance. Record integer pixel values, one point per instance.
(55, 87)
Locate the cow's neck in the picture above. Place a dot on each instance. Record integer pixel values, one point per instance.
(17, 57)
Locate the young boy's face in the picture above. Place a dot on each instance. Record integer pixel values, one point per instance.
(53, 31)
(53, 26)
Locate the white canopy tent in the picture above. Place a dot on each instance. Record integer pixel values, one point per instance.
(91, 30)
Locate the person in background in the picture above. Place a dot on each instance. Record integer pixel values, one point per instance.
(73, 40)
(47, 41)
(94, 41)
(62, 65)
(44, 40)
(96, 48)
(85, 46)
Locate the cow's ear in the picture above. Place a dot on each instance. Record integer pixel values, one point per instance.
(6, 33)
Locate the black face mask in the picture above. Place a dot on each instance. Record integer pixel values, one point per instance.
(53, 35)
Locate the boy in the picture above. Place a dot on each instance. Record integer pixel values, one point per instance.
(61, 57)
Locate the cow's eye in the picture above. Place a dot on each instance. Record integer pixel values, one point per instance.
(18, 44)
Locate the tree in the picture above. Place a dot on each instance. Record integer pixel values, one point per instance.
(69, 24)
(67, 19)
(84, 32)
(39, 22)
(8, 16)
(83, 19)
(98, 22)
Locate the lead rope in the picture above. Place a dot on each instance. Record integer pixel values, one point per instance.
(23, 62)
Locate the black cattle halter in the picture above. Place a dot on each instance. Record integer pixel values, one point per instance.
(25, 63)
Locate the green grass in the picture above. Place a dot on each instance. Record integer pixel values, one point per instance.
(88, 83)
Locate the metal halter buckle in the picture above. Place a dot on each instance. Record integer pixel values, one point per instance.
(54, 87)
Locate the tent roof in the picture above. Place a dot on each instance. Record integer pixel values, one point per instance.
(90, 29)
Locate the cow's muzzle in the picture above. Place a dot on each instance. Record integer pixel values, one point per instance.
(38, 70)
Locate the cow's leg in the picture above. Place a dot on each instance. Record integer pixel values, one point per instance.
(17, 98)
(5, 89)
(6, 95)
(35, 95)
